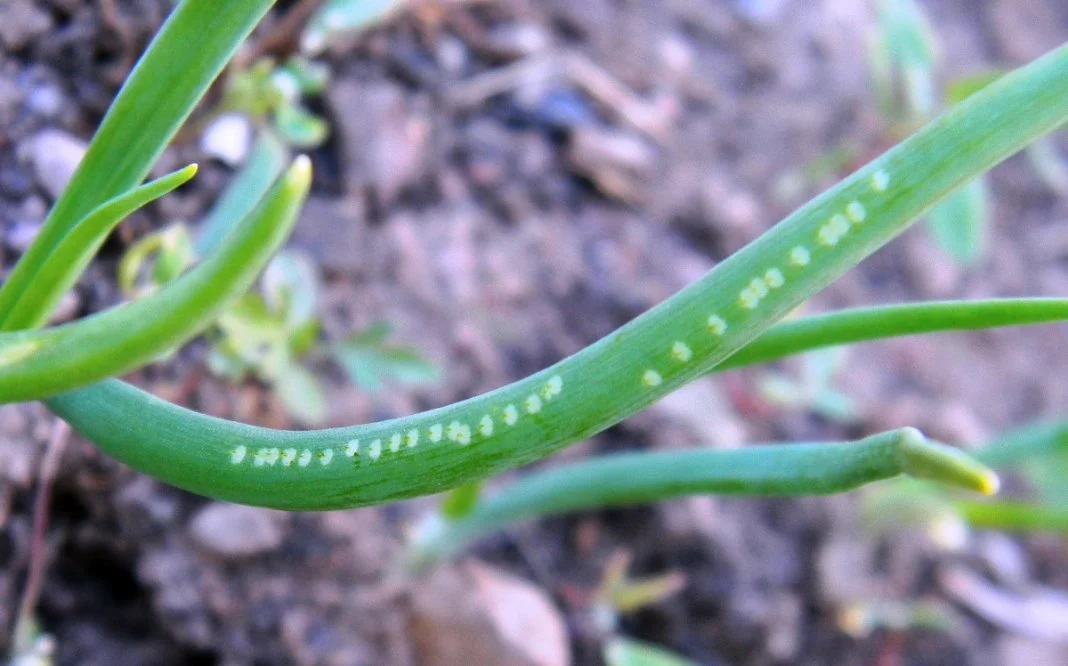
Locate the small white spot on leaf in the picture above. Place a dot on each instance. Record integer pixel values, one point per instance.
(681, 352)
(652, 378)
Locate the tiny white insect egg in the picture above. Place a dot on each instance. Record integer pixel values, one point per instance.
(272, 456)
(238, 454)
(511, 415)
(827, 236)
(375, 450)
(748, 299)
(532, 404)
(395, 442)
(260, 459)
(555, 385)
(485, 426)
(412, 438)
(326, 456)
(759, 288)
(880, 180)
(305, 458)
(452, 431)
(289, 456)
(774, 278)
(800, 256)
(652, 378)
(458, 432)
(855, 211)
(716, 325)
(840, 225)
(434, 432)
(681, 352)
(352, 448)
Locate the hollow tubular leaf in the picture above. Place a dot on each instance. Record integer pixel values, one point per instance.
(673, 343)
(175, 71)
(265, 162)
(889, 321)
(75, 250)
(779, 470)
(35, 364)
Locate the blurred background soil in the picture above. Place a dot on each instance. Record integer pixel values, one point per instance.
(505, 182)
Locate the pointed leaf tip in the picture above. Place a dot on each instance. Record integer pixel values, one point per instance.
(924, 459)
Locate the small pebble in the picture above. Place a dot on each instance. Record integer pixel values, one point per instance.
(55, 155)
(228, 138)
(234, 531)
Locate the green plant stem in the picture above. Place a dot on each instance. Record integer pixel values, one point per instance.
(1029, 443)
(73, 253)
(186, 55)
(264, 164)
(1014, 516)
(866, 324)
(779, 470)
(36, 363)
(673, 343)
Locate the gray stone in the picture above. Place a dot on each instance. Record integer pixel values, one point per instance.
(55, 155)
(234, 531)
(21, 22)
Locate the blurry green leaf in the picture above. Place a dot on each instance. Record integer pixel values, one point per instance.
(903, 60)
(813, 390)
(300, 127)
(263, 166)
(158, 258)
(461, 500)
(619, 651)
(375, 334)
(959, 224)
(370, 362)
(253, 91)
(1048, 476)
(303, 338)
(311, 77)
(175, 254)
(961, 89)
(336, 19)
(301, 392)
(290, 288)
(834, 406)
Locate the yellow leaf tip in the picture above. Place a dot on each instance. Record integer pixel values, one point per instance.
(300, 173)
(989, 483)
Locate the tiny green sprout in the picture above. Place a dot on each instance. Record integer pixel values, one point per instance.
(338, 20)
(622, 651)
(904, 57)
(814, 389)
(371, 361)
(268, 91)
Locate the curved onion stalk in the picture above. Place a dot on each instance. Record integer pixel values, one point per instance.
(34, 364)
(186, 55)
(76, 250)
(673, 343)
(771, 470)
(888, 321)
